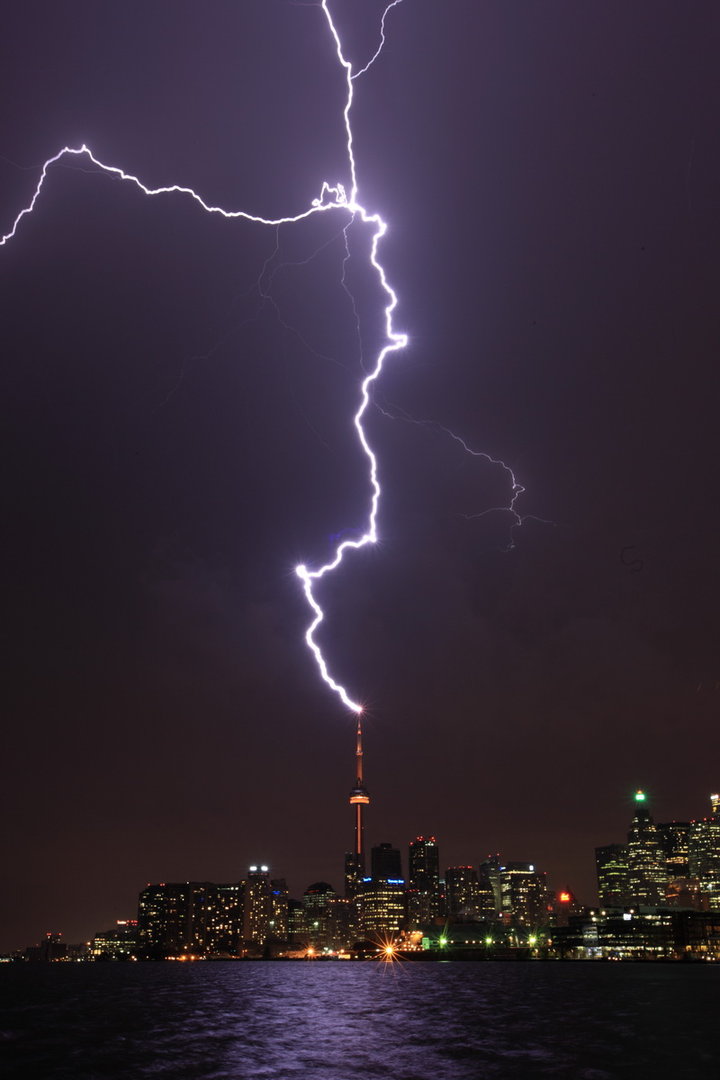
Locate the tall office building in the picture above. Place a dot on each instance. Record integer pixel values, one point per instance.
(359, 799)
(278, 926)
(225, 922)
(165, 920)
(611, 863)
(647, 876)
(466, 899)
(489, 878)
(257, 906)
(381, 907)
(323, 917)
(189, 918)
(380, 899)
(385, 863)
(423, 893)
(704, 854)
(524, 894)
(674, 837)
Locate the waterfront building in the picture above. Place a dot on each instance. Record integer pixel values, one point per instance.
(423, 892)
(188, 918)
(685, 892)
(224, 920)
(489, 878)
(611, 863)
(323, 918)
(51, 948)
(524, 894)
(645, 933)
(381, 907)
(385, 863)
(278, 923)
(466, 899)
(257, 906)
(563, 905)
(119, 943)
(380, 899)
(296, 923)
(704, 854)
(674, 838)
(647, 876)
(164, 920)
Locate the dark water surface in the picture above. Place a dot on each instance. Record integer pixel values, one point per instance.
(346, 1021)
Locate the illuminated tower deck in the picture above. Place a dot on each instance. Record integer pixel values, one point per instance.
(359, 798)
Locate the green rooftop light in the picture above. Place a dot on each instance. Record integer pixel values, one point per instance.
(640, 796)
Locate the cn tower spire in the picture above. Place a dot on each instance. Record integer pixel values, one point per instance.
(359, 752)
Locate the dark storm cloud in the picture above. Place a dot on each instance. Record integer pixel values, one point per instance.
(549, 173)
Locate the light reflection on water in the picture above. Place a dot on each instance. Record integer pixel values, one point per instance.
(345, 1021)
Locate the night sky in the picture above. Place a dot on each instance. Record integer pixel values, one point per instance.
(173, 443)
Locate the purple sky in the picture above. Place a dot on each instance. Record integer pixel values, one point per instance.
(550, 175)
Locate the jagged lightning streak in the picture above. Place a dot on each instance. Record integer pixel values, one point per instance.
(333, 197)
(394, 341)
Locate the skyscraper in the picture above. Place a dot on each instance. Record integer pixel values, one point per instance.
(647, 876)
(674, 837)
(380, 899)
(258, 905)
(322, 917)
(611, 862)
(278, 925)
(467, 900)
(189, 918)
(359, 799)
(704, 854)
(385, 863)
(524, 894)
(423, 894)
(165, 919)
(226, 919)
(489, 879)
(381, 907)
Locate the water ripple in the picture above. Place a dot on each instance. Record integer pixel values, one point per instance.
(358, 1021)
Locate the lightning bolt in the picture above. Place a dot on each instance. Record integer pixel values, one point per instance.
(342, 198)
(516, 488)
(393, 341)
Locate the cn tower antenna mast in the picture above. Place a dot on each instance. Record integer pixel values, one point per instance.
(359, 752)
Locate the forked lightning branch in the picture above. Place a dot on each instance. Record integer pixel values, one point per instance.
(338, 198)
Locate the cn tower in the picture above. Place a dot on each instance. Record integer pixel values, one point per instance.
(359, 798)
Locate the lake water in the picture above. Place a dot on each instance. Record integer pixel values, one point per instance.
(347, 1021)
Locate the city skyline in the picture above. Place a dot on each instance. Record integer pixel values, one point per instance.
(665, 881)
(673, 864)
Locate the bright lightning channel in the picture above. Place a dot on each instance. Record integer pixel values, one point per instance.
(333, 197)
